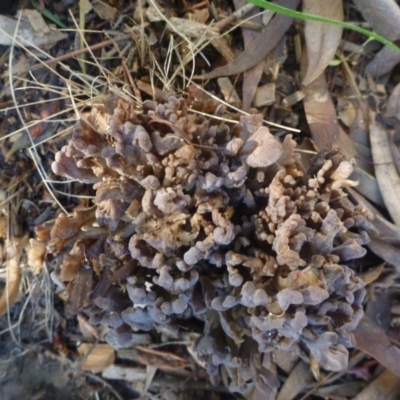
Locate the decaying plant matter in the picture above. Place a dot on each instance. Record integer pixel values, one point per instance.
(198, 218)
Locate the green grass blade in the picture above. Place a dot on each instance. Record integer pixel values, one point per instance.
(49, 15)
(296, 14)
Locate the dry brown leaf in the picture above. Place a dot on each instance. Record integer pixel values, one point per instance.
(393, 104)
(376, 225)
(372, 274)
(89, 332)
(321, 114)
(105, 11)
(193, 28)
(379, 303)
(341, 391)
(261, 46)
(367, 185)
(98, 357)
(386, 251)
(27, 34)
(385, 170)
(265, 94)
(229, 91)
(393, 142)
(298, 378)
(384, 18)
(322, 40)
(200, 15)
(372, 339)
(347, 112)
(255, 394)
(150, 373)
(385, 386)
(285, 360)
(384, 236)
(224, 49)
(382, 15)
(251, 77)
(161, 359)
(383, 62)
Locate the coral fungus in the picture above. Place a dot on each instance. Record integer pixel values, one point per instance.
(199, 218)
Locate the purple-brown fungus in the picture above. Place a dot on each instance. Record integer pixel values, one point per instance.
(199, 218)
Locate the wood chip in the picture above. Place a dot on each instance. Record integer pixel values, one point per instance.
(265, 95)
(98, 357)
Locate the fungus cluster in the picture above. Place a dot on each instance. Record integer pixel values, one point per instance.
(196, 218)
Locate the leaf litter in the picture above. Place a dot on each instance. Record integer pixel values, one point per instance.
(135, 52)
